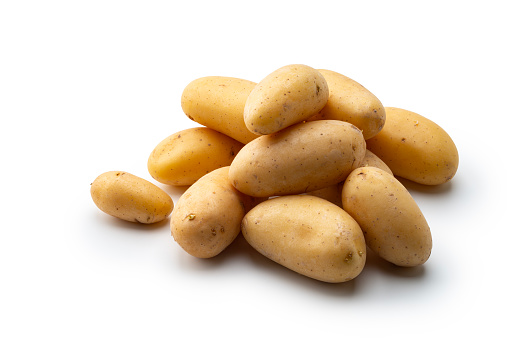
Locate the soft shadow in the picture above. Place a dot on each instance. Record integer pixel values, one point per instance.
(174, 191)
(373, 261)
(427, 189)
(116, 222)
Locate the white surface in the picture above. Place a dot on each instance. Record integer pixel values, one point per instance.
(87, 87)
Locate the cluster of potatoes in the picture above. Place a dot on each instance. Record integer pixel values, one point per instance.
(303, 164)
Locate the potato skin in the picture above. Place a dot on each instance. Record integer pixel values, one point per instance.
(289, 95)
(207, 217)
(298, 159)
(350, 101)
(415, 148)
(393, 225)
(183, 157)
(218, 103)
(370, 159)
(129, 197)
(308, 235)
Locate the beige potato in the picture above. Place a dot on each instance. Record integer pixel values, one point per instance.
(370, 159)
(415, 148)
(207, 217)
(289, 95)
(350, 101)
(218, 103)
(183, 157)
(300, 158)
(308, 235)
(393, 225)
(129, 197)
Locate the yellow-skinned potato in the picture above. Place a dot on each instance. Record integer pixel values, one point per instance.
(393, 225)
(308, 235)
(415, 148)
(333, 193)
(129, 197)
(370, 159)
(183, 157)
(289, 95)
(350, 101)
(207, 217)
(298, 159)
(218, 103)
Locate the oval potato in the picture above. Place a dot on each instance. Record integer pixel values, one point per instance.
(218, 103)
(207, 217)
(300, 158)
(393, 225)
(289, 95)
(129, 197)
(308, 235)
(333, 193)
(183, 157)
(350, 101)
(415, 148)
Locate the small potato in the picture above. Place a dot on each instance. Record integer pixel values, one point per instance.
(370, 159)
(300, 158)
(331, 193)
(289, 95)
(350, 101)
(218, 103)
(415, 148)
(128, 197)
(308, 235)
(393, 224)
(182, 158)
(207, 217)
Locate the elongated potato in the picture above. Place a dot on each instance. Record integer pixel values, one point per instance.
(207, 217)
(333, 193)
(218, 103)
(308, 235)
(350, 101)
(183, 157)
(129, 197)
(370, 159)
(415, 148)
(289, 95)
(393, 225)
(300, 158)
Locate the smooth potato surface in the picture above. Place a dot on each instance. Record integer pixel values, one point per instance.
(350, 101)
(415, 148)
(184, 157)
(370, 159)
(129, 197)
(289, 95)
(207, 217)
(218, 103)
(393, 225)
(300, 158)
(308, 235)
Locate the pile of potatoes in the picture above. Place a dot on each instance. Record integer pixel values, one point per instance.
(303, 164)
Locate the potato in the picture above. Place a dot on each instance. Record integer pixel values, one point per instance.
(308, 235)
(331, 193)
(207, 217)
(129, 197)
(415, 148)
(393, 225)
(300, 158)
(183, 157)
(289, 95)
(218, 103)
(350, 101)
(370, 159)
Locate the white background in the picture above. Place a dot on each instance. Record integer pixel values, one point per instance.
(92, 86)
